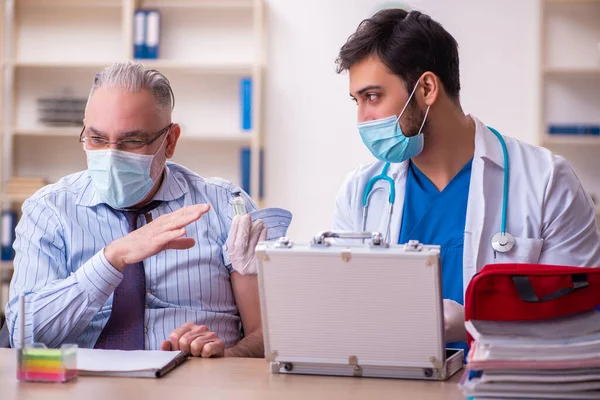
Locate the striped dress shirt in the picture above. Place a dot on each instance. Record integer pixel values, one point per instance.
(61, 269)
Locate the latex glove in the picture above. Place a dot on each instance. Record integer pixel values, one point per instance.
(241, 242)
(454, 322)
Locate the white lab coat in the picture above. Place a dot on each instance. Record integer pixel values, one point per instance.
(549, 213)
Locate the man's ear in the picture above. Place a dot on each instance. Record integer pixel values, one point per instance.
(430, 88)
(172, 138)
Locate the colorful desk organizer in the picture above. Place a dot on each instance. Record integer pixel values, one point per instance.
(37, 363)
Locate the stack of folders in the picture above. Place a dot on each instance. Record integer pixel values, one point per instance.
(547, 359)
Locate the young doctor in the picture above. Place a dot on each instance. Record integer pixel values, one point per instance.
(458, 183)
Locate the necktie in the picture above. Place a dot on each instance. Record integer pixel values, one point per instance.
(125, 327)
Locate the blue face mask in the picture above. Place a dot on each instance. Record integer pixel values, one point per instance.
(386, 141)
(122, 179)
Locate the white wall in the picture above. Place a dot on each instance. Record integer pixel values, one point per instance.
(311, 136)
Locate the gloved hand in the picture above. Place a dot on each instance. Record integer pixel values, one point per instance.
(241, 242)
(454, 322)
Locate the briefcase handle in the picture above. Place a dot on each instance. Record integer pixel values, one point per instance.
(375, 237)
(527, 294)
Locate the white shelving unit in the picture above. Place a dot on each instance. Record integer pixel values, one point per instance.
(570, 83)
(206, 47)
(48, 47)
(3, 95)
(570, 65)
(5, 267)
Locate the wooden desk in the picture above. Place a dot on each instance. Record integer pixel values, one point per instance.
(230, 378)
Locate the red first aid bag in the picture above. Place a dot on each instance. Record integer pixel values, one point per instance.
(524, 292)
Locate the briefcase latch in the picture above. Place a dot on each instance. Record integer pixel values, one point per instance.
(283, 242)
(413, 245)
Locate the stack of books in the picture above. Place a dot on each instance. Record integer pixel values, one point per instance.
(547, 359)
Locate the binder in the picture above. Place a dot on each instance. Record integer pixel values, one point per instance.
(575, 129)
(152, 33)
(245, 169)
(245, 164)
(7, 238)
(139, 34)
(246, 103)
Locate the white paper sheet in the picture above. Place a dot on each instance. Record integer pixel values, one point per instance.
(122, 363)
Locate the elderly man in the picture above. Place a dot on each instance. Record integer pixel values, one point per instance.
(128, 254)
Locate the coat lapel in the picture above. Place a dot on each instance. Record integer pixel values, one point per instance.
(398, 174)
(488, 154)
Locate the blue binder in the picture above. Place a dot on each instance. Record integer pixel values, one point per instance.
(9, 222)
(246, 103)
(152, 33)
(139, 34)
(574, 129)
(245, 155)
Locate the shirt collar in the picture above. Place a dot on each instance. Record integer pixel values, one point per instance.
(487, 145)
(172, 188)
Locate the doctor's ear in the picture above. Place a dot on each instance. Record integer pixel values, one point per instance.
(430, 86)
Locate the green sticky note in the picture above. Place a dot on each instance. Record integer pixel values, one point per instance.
(42, 354)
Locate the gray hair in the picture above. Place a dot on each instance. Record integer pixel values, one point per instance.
(133, 77)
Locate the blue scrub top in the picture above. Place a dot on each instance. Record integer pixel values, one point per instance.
(434, 217)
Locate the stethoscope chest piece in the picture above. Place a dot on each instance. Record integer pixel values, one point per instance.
(503, 242)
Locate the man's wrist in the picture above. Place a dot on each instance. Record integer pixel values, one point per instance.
(114, 255)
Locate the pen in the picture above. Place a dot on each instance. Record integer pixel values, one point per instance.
(180, 359)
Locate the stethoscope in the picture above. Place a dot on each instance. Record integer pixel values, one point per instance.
(502, 242)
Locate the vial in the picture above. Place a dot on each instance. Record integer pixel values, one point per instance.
(239, 208)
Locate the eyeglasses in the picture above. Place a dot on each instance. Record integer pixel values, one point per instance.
(98, 142)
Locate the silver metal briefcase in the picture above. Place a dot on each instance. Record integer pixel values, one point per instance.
(354, 309)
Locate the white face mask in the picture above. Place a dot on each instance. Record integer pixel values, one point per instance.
(123, 179)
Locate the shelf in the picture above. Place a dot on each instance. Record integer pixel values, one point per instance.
(222, 4)
(220, 68)
(70, 3)
(237, 138)
(572, 71)
(569, 2)
(206, 47)
(60, 64)
(49, 132)
(215, 68)
(572, 139)
(17, 198)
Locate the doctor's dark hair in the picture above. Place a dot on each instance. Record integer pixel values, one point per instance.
(409, 44)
